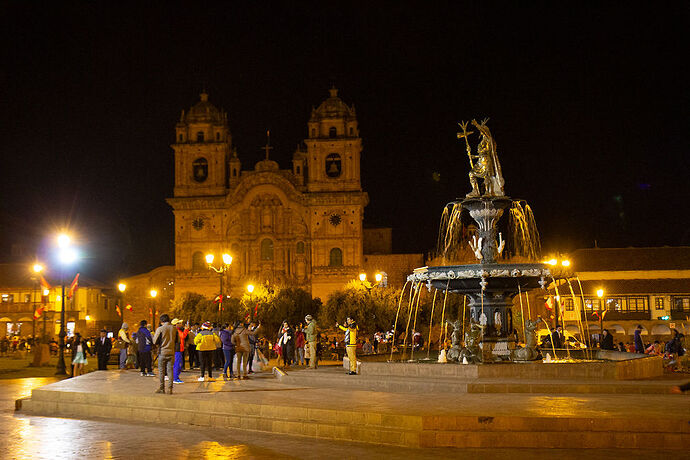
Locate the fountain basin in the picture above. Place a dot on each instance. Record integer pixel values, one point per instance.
(639, 367)
(465, 279)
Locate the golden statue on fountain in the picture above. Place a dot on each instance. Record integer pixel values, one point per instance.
(486, 167)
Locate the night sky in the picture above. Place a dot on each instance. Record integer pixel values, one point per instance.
(588, 104)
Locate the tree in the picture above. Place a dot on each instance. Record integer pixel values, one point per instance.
(372, 307)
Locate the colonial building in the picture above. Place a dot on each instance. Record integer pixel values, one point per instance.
(92, 307)
(646, 286)
(300, 226)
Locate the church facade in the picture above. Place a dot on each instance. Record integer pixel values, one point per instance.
(287, 227)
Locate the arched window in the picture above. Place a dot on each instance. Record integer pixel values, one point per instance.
(332, 132)
(198, 262)
(267, 249)
(200, 169)
(336, 258)
(352, 131)
(234, 172)
(333, 165)
(181, 137)
(313, 132)
(200, 136)
(298, 170)
(300, 247)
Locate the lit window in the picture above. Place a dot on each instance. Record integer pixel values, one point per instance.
(568, 304)
(659, 303)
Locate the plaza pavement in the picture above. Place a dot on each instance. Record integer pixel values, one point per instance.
(336, 414)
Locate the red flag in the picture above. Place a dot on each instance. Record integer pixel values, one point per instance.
(218, 299)
(549, 303)
(256, 308)
(596, 313)
(38, 312)
(44, 284)
(117, 309)
(129, 307)
(73, 287)
(150, 311)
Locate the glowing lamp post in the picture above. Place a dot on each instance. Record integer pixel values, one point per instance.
(122, 287)
(37, 269)
(153, 293)
(66, 257)
(600, 294)
(220, 269)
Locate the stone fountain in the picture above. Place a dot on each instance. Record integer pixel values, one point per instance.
(489, 285)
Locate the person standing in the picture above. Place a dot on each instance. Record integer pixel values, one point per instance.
(606, 340)
(241, 340)
(350, 329)
(557, 337)
(637, 339)
(299, 347)
(228, 351)
(310, 337)
(123, 342)
(144, 343)
(206, 342)
(102, 348)
(165, 337)
(287, 343)
(179, 349)
(79, 352)
(191, 348)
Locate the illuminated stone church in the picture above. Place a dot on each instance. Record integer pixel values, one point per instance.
(301, 226)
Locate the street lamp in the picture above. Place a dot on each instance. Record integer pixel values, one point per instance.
(66, 256)
(122, 287)
(600, 294)
(153, 293)
(37, 268)
(221, 269)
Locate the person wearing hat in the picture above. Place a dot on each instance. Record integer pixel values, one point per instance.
(206, 342)
(102, 350)
(123, 342)
(310, 336)
(350, 329)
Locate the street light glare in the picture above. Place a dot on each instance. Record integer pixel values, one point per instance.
(67, 255)
(379, 277)
(63, 240)
(46, 292)
(250, 288)
(121, 287)
(600, 293)
(209, 259)
(153, 293)
(38, 268)
(565, 263)
(87, 318)
(227, 259)
(552, 261)
(362, 276)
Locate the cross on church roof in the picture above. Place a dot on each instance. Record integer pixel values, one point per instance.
(267, 147)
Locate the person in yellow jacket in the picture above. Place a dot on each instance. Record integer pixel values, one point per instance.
(206, 342)
(350, 329)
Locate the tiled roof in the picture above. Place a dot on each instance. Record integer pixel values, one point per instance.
(620, 259)
(622, 287)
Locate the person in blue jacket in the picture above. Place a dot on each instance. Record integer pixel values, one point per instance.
(144, 343)
(228, 350)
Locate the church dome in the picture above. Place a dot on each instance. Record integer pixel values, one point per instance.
(204, 112)
(333, 107)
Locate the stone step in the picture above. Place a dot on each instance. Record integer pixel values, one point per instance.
(464, 432)
(408, 384)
